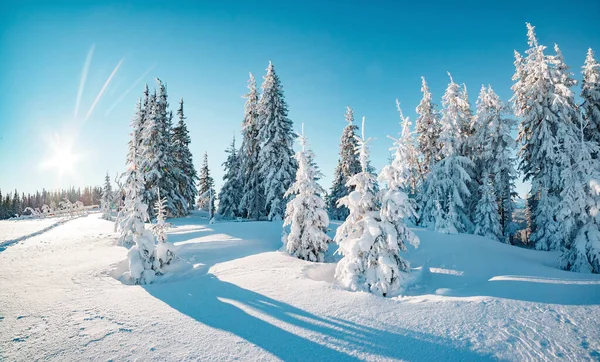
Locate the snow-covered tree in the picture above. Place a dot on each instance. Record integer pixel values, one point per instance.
(428, 130)
(276, 155)
(590, 93)
(252, 202)
(164, 249)
(371, 238)
(142, 255)
(107, 198)
(494, 148)
(157, 161)
(447, 183)
(231, 192)
(544, 101)
(206, 186)
(305, 213)
(187, 176)
(348, 165)
(487, 218)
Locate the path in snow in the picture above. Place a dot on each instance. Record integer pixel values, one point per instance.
(244, 300)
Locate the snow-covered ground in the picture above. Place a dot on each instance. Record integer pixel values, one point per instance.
(474, 300)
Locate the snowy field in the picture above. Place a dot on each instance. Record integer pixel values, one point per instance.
(472, 299)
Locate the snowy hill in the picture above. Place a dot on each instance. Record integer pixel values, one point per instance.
(471, 299)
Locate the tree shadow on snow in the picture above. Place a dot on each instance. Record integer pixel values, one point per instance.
(233, 309)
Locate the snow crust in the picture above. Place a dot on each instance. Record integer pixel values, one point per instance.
(233, 295)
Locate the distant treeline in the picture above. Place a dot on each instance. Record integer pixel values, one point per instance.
(13, 203)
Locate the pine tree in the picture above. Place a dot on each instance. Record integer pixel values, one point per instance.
(252, 202)
(305, 212)
(206, 187)
(446, 185)
(543, 99)
(157, 158)
(231, 192)
(428, 129)
(164, 249)
(487, 218)
(277, 165)
(142, 255)
(183, 162)
(348, 166)
(372, 237)
(494, 153)
(107, 198)
(590, 93)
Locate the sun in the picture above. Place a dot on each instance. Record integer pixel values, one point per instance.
(61, 156)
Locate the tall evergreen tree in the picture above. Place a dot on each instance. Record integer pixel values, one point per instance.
(305, 212)
(231, 192)
(447, 189)
(277, 165)
(107, 198)
(428, 130)
(206, 186)
(183, 162)
(590, 93)
(544, 101)
(494, 154)
(487, 218)
(252, 202)
(348, 166)
(372, 237)
(156, 153)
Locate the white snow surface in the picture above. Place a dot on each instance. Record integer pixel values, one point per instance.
(234, 295)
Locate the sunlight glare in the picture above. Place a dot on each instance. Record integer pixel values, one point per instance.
(62, 158)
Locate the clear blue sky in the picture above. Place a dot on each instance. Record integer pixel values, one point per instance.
(364, 54)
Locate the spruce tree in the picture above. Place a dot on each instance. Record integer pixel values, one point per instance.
(157, 159)
(206, 186)
(131, 219)
(447, 184)
(252, 202)
(544, 101)
(371, 238)
(276, 155)
(305, 212)
(164, 249)
(348, 166)
(183, 162)
(590, 93)
(494, 153)
(107, 198)
(428, 130)
(231, 192)
(487, 218)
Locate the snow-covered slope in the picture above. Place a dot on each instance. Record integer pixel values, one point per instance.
(473, 299)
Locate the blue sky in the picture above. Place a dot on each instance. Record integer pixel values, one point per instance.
(328, 55)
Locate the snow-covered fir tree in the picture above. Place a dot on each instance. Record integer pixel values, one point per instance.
(306, 213)
(252, 202)
(544, 101)
(348, 165)
(590, 93)
(399, 178)
(494, 149)
(157, 159)
(276, 154)
(183, 162)
(428, 130)
(371, 239)
(142, 255)
(231, 192)
(487, 218)
(447, 184)
(164, 249)
(106, 202)
(206, 186)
